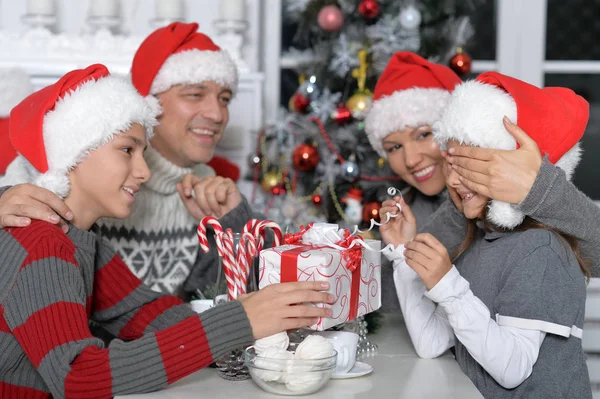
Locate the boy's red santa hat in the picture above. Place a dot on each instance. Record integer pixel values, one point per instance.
(554, 117)
(14, 87)
(56, 127)
(178, 54)
(411, 91)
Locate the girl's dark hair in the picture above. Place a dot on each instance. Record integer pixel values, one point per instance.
(528, 224)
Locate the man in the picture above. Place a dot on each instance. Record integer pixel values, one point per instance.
(191, 82)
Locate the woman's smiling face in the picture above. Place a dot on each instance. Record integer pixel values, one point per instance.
(415, 156)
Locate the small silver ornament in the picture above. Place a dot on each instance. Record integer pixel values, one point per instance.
(350, 171)
(410, 17)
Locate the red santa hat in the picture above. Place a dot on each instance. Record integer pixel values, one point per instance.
(224, 168)
(554, 117)
(14, 87)
(178, 54)
(56, 127)
(411, 91)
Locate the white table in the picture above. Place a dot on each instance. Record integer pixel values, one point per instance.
(398, 373)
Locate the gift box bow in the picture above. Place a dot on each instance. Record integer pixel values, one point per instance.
(329, 235)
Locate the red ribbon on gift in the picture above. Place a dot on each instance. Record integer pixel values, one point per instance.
(352, 256)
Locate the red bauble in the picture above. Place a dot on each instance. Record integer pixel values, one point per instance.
(461, 63)
(317, 199)
(278, 190)
(342, 115)
(330, 18)
(299, 103)
(305, 157)
(369, 8)
(371, 211)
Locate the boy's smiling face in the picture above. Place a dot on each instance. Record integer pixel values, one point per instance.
(104, 184)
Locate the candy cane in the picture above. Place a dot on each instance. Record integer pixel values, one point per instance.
(260, 228)
(201, 231)
(229, 266)
(246, 250)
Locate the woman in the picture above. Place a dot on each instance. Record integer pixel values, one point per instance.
(410, 96)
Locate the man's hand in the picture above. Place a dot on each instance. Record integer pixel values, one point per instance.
(21, 203)
(208, 196)
(399, 229)
(428, 258)
(282, 307)
(498, 174)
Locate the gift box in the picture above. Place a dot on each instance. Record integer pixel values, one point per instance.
(355, 283)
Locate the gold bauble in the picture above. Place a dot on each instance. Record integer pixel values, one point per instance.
(270, 180)
(359, 104)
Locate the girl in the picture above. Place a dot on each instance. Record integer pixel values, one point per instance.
(410, 96)
(513, 303)
(83, 138)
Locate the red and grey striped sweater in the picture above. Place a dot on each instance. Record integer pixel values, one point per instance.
(52, 284)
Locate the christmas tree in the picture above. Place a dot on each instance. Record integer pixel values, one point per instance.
(315, 163)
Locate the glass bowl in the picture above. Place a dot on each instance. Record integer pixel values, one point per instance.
(289, 377)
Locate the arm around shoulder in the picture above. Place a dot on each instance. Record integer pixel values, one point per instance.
(557, 203)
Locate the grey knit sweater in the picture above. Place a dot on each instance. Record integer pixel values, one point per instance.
(52, 285)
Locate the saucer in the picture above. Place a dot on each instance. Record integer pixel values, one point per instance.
(358, 370)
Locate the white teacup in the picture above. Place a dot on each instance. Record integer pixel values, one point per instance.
(345, 343)
(201, 305)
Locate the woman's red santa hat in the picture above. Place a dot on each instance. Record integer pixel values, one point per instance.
(56, 127)
(412, 92)
(554, 117)
(178, 54)
(14, 87)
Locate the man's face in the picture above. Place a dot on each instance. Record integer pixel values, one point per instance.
(192, 123)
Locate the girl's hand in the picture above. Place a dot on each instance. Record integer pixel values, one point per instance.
(428, 258)
(400, 229)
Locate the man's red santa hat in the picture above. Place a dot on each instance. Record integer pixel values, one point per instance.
(411, 92)
(554, 117)
(56, 127)
(178, 54)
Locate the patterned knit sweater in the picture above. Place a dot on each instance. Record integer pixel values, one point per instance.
(158, 240)
(52, 284)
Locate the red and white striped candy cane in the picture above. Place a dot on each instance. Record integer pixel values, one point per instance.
(260, 229)
(203, 238)
(229, 265)
(246, 251)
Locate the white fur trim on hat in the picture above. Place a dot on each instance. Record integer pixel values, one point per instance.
(15, 85)
(474, 117)
(83, 120)
(196, 66)
(412, 107)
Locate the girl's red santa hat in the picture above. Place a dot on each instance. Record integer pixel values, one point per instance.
(56, 127)
(178, 54)
(412, 92)
(554, 117)
(14, 87)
